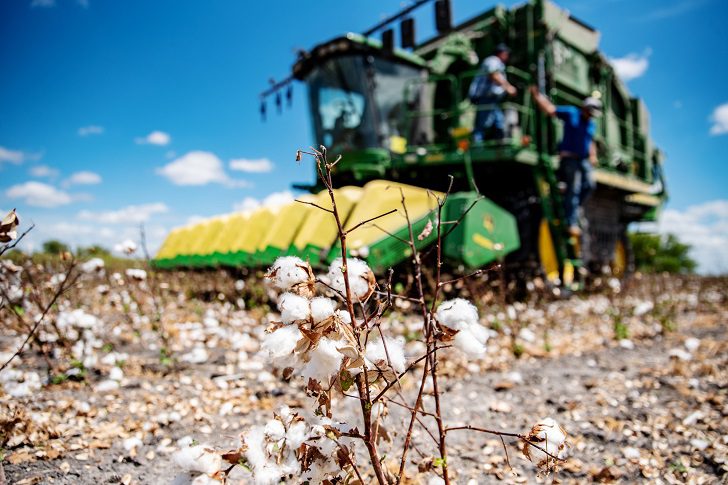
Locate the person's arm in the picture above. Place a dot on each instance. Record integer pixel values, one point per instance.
(501, 81)
(593, 153)
(543, 103)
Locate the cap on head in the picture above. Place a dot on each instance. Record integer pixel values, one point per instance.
(593, 105)
(502, 48)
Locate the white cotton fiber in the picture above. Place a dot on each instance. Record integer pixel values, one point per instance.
(325, 361)
(468, 343)
(322, 308)
(280, 344)
(376, 352)
(289, 271)
(548, 435)
(198, 459)
(293, 308)
(359, 274)
(457, 313)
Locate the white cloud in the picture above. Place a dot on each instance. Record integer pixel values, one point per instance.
(90, 130)
(155, 138)
(132, 214)
(43, 171)
(83, 178)
(198, 168)
(259, 165)
(16, 156)
(195, 219)
(247, 204)
(720, 120)
(39, 194)
(274, 200)
(632, 65)
(705, 228)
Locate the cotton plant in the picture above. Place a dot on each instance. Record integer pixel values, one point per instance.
(330, 336)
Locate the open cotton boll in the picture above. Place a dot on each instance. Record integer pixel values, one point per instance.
(361, 278)
(281, 343)
(322, 308)
(468, 343)
(296, 435)
(376, 352)
(293, 308)
(479, 332)
(131, 443)
(457, 313)
(274, 430)
(205, 480)
(344, 316)
(136, 274)
(93, 265)
(269, 474)
(254, 439)
(324, 361)
(198, 459)
(548, 435)
(289, 271)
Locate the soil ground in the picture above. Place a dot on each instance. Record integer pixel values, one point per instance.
(651, 409)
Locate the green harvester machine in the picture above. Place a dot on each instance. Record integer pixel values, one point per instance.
(401, 119)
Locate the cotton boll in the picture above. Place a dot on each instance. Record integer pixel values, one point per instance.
(324, 361)
(322, 308)
(93, 265)
(281, 343)
(132, 443)
(296, 435)
(255, 441)
(361, 278)
(270, 474)
(549, 436)
(136, 274)
(457, 313)
(289, 271)
(198, 459)
(205, 480)
(344, 316)
(468, 343)
(274, 430)
(643, 307)
(293, 308)
(116, 374)
(376, 352)
(479, 332)
(692, 344)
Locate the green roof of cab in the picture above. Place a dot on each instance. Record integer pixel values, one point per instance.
(377, 44)
(350, 43)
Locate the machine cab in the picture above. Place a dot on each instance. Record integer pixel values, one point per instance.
(355, 91)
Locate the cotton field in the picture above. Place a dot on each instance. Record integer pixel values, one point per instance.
(140, 376)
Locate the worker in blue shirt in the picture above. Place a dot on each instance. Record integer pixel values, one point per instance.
(487, 90)
(577, 151)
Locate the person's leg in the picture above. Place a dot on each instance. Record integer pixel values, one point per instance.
(499, 123)
(587, 181)
(481, 120)
(570, 171)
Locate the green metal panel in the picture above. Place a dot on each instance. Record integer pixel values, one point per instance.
(486, 233)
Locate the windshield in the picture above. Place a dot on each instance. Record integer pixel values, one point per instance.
(358, 102)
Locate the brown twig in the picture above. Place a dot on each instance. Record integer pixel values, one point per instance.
(65, 284)
(8, 247)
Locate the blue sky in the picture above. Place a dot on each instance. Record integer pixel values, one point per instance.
(98, 96)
